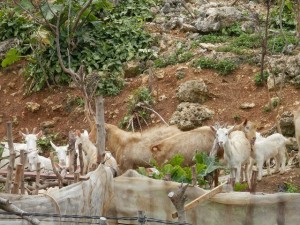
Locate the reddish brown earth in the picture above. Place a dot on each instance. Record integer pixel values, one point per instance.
(229, 91)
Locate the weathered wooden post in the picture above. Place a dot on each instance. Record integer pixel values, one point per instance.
(102, 221)
(76, 176)
(178, 199)
(80, 158)
(194, 176)
(141, 217)
(58, 175)
(17, 180)
(101, 134)
(71, 149)
(23, 158)
(12, 156)
(37, 178)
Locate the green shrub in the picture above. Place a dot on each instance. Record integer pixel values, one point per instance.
(204, 165)
(247, 41)
(240, 186)
(257, 78)
(223, 67)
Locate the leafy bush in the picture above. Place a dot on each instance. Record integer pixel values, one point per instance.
(257, 78)
(106, 38)
(14, 25)
(288, 15)
(247, 41)
(223, 67)
(276, 43)
(204, 165)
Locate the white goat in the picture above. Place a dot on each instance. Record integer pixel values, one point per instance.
(29, 145)
(90, 151)
(34, 158)
(237, 150)
(269, 147)
(61, 152)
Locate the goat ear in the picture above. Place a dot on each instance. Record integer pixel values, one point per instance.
(77, 132)
(245, 122)
(22, 134)
(39, 134)
(53, 145)
(231, 129)
(213, 128)
(86, 133)
(155, 148)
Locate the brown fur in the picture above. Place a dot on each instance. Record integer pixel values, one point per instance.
(249, 128)
(185, 143)
(132, 149)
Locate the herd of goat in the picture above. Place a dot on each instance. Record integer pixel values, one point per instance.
(239, 147)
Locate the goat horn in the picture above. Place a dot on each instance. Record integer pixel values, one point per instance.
(34, 130)
(27, 131)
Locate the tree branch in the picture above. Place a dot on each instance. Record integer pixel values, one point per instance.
(9, 207)
(80, 14)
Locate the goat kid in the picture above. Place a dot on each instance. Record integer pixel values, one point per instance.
(269, 147)
(34, 158)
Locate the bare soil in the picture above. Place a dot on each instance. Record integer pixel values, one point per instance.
(229, 91)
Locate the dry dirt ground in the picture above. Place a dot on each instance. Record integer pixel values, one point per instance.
(230, 92)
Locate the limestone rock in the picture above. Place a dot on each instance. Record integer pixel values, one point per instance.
(192, 91)
(190, 115)
(32, 106)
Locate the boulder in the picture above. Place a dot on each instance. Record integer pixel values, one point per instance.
(190, 115)
(192, 91)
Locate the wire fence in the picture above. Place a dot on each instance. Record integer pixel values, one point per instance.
(78, 219)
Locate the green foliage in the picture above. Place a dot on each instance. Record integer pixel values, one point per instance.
(276, 43)
(240, 186)
(137, 113)
(181, 55)
(223, 67)
(204, 165)
(12, 56)
(14, 25)
(288, 15)
(291, 188)
(1, 150)
(257, 78)
(247, 41)
(235, 50)
(213, 38)
(237, 118)
(106, 37)
(234, 30)
(44, 141)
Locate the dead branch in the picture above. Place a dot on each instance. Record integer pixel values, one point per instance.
(81, 159)
(9, 207)
(17, 180)
(156, 113)
(178, 199)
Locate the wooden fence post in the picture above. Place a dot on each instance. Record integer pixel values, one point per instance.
(12, 156)
(37, 179)
(194, 176)
(101, 134)
(102, 221)
(23, 158)
(141, 217)
(17, 181)
(81, 158)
